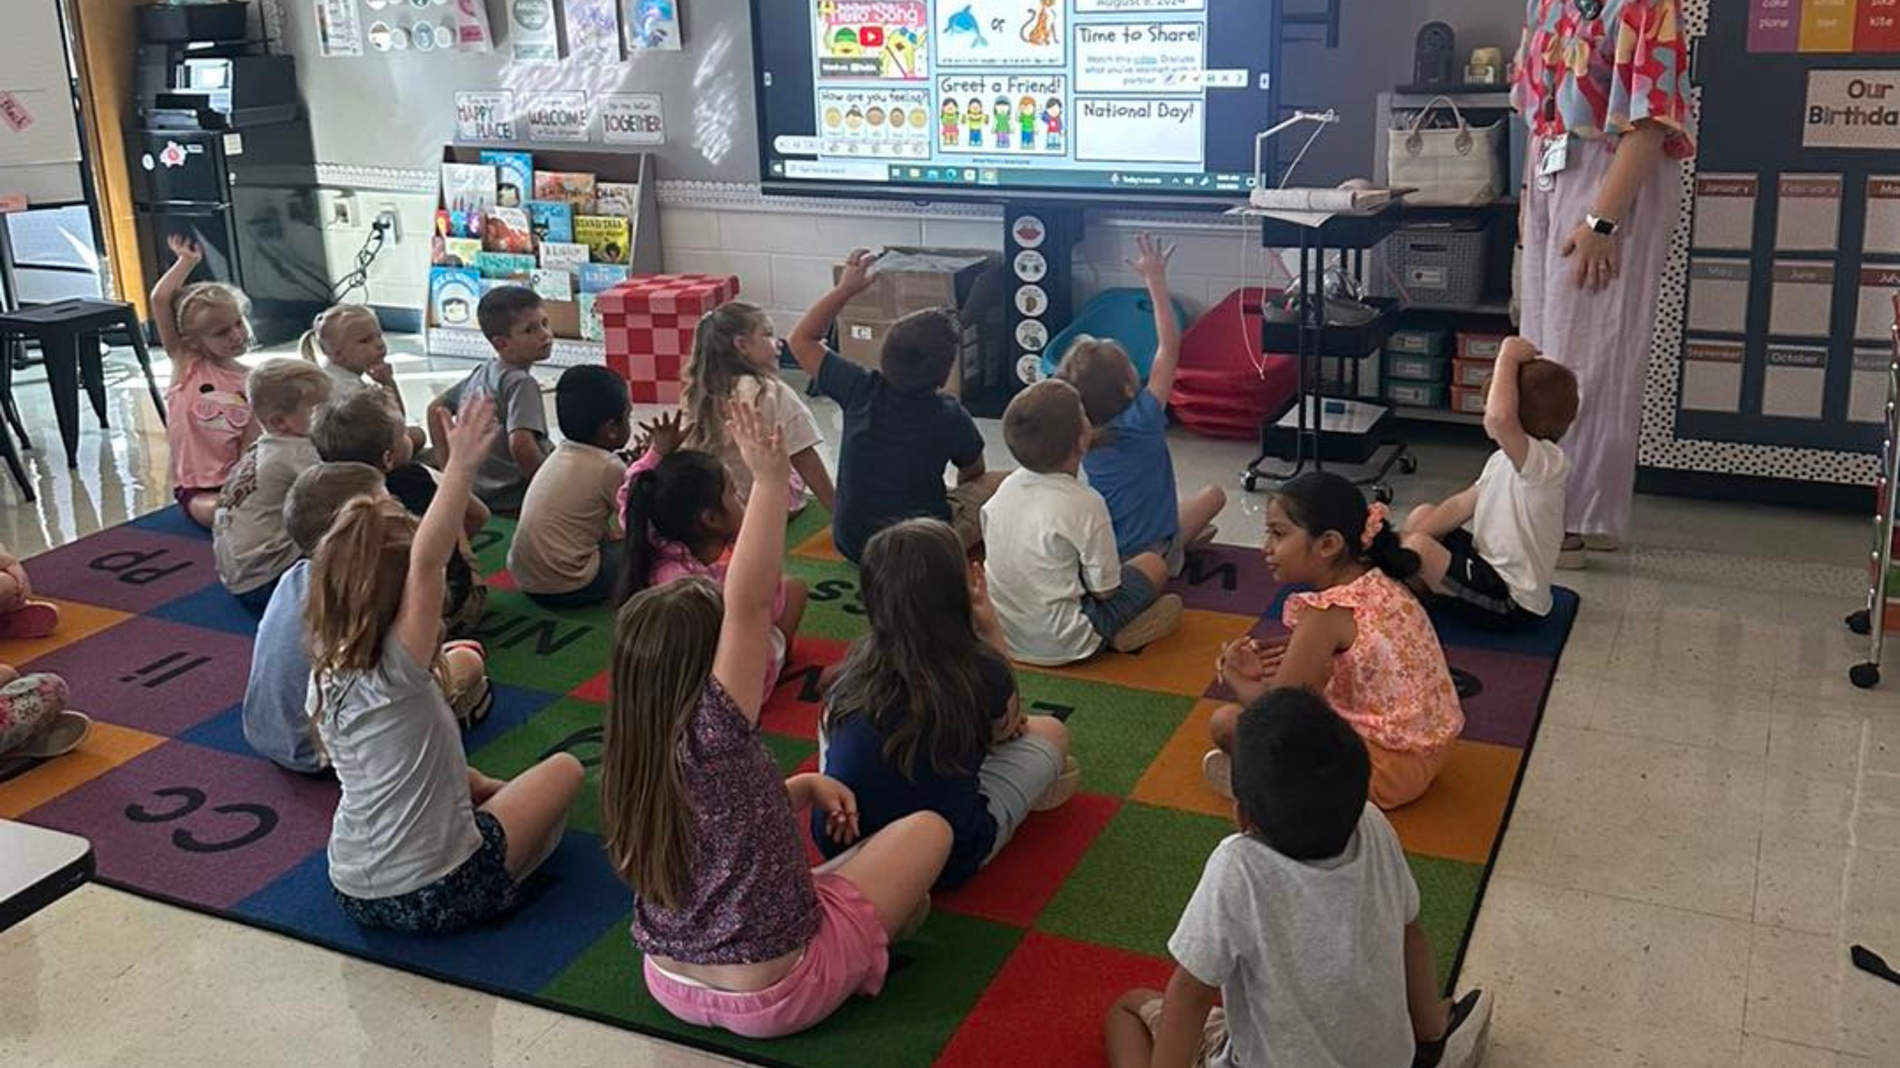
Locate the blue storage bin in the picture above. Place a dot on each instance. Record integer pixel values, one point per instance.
(1127, 316)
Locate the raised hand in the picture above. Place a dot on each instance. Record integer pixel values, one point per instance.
(857, 270)
(761, 445)
(663, 434)
(185, 249)
(472, 433)
(1151, 261)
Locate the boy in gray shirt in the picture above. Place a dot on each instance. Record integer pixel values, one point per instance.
(1305, 925)
(516, 324)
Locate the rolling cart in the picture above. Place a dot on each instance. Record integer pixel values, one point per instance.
(1320, 428)
(1872, 620)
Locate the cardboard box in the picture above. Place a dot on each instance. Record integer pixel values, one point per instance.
(908, 280)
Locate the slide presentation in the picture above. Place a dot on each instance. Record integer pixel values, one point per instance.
(1141, 97)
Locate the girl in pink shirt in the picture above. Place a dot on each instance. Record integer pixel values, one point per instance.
(207, 415)
(681, 512)
(1360, 637)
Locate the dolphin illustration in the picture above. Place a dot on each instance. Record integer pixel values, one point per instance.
(965, 22)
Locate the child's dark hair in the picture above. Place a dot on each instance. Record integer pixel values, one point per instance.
(668, 503)
(587, 399)
(1546, 398)
(918, 676)
(361, 426)
(502, 306)
(920, 350)
(1042, 425)
(1319, 501)
(1301, 774)
(1101, 372)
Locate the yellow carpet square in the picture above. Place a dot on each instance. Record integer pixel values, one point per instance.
(76, 621)
(1174, 779)
(1181, 663)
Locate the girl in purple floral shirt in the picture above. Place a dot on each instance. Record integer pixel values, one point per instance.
(738, 933)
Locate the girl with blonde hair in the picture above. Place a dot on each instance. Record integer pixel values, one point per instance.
(735, 357)
(208, 420)
(349, 339)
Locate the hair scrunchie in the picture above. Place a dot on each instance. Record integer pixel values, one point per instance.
(1376, 514)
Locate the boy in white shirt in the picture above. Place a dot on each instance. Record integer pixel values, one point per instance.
(1305, 925)
(1059, 588)
(1497, 573)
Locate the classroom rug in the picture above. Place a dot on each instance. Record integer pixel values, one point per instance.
(1016, 968)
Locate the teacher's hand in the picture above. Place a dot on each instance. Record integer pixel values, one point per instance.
(1593, 256)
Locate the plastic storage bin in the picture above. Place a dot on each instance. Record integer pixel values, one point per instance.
(1472, 374)
(1468, 399)
(1416, 368)
(1441, 265)
(1417, 394)
(1413, 341)
(1475, 346)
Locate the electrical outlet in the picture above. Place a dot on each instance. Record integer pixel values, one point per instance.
(342, 213)
(388, 215)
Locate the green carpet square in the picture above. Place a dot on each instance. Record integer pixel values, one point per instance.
(1447, 903)
(934, 981)
(491, 545)
(570, 725)
(806, 523)
(1114, 731)
(534, 648)
(833, 610)
(1130, 888)
(788, 753)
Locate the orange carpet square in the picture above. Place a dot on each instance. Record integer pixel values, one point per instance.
(818, 547)
(1181, 663)
(106, 748)
(1174, 779)
(1460, 816)
(76, 621)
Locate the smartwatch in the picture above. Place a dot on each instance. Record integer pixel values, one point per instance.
(1601, 225)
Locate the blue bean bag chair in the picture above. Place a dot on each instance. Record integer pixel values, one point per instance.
(1126, 315)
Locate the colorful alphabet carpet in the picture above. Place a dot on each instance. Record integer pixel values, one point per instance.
(1016, 968)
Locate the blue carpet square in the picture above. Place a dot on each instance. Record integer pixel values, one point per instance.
(572, 901)
(223, 732)
(514, 706)
(171, 520)
(214, 608)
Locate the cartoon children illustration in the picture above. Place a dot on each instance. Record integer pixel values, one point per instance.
(1026, 123)
(1000, 128)
(950, 124)
(975, 118)
(1052, 122)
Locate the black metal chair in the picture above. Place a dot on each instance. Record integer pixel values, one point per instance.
(68, 332)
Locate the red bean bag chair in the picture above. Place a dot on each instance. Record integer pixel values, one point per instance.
(1225, 387)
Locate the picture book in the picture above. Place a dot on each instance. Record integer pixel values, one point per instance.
(552, 220)
(505, 264)
(573, 188)
(468, 187)
(606, 237)
(455, 251)
(616, 198)
(653, 24)
(489, 285)
(453, 294)
(596, 277)
(514, 176)
(552, 285)
(458, 223)
(563, 255)
(507, 230)
(590, 318)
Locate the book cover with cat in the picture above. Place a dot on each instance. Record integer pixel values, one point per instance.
(607, 236)
(552, 220)
(514, 176)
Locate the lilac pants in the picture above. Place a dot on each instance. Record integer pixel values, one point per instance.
(1603, 337)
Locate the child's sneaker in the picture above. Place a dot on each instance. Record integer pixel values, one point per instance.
(1064, 788)
(1465, 1036)
(34, 619)
(1218, 769)
(1155, 622)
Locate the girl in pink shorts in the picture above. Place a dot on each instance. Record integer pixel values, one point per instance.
(738, 932)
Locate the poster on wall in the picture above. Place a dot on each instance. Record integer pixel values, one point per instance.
(593, 30)
(653, 25)
(875, 123)
(884, 39)
(339, 28)
(472, 33)
(533, 36)
(485, 115)
(561, 116)
(633, 119)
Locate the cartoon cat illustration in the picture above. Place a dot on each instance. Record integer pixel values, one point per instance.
(1040, 28)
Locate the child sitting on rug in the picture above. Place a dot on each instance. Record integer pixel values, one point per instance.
(738, 932)
(681, 513)
(208, 420)
(1305, 924)
(900, 429)
(735, 358)
(1061, 590)
(247, 536)
(924, 715)
(516, 324)
(1128, 461)
(1497, 573)
(420, 841)
(564, 553)
(21, 616)
(363, 427)
(355, 355)
(1359, 637)
(34, 721)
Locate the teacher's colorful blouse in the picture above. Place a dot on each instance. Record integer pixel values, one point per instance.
(1597, 76)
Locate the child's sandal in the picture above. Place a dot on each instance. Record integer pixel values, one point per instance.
(66, 731)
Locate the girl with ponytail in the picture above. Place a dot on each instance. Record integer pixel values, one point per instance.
(682, 512)
(1360, 638)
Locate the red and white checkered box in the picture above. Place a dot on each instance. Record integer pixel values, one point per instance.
(648, 322)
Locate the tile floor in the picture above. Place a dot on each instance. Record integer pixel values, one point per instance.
(1710, 817)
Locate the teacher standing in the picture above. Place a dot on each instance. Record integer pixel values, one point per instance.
(1604, 88)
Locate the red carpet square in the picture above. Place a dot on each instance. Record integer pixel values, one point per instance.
(1045, 1008)
(1022, 879)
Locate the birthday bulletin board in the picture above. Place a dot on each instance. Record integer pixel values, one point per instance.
(1795, 245)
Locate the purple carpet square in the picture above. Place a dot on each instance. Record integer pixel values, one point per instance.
(1226, 578)
(214, 608)
(565, 907)
(125, 568)
(1503, 694)
(153, 675)
(172, 520)
(196, 825)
